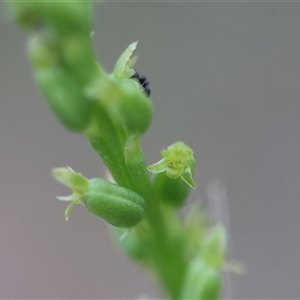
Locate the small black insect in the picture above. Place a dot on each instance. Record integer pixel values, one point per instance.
(143, 82)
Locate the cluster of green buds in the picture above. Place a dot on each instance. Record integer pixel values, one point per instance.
(113, 112)
(62, 56)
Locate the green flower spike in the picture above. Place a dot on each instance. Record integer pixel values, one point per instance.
(178, 161)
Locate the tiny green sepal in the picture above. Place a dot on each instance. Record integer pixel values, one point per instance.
(178, 161)
(64, 97)
(187, 177)
(123, 65)
(73, 180)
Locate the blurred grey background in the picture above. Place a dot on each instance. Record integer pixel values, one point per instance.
(225, 80)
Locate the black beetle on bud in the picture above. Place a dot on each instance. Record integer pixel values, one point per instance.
(143, 82)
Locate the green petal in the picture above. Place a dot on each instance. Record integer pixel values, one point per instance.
(159, 167)
(124, 63)
(73, 180)
(187, 177)
(174, 172)
(68, 210)
(65, 198)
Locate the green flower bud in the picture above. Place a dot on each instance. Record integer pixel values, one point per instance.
(196, 226)
(127, 104)
(65, 98)
(135, 108)
(171, 191)
(63, 16)
(123, 98)
(78, 57)
(117, 205)
(130, 242)
(42, 52)
(178, 161)
(201, 282)
(214, 250)
(214, 246)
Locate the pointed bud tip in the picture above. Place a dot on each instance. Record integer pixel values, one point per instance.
(73, 180)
